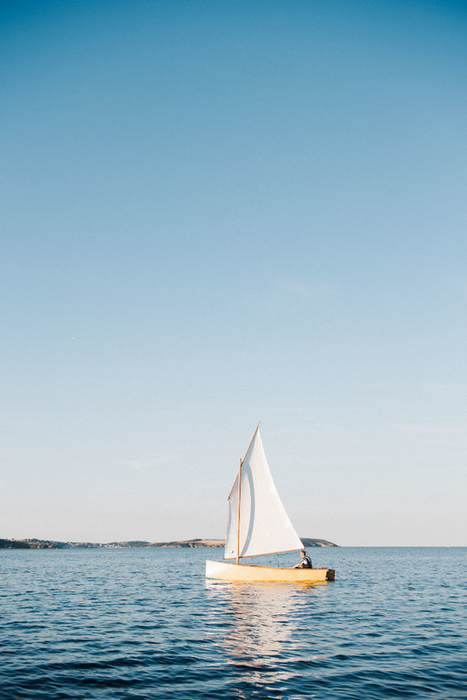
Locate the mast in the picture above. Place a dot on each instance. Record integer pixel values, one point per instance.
(240, 493)
(238, 483)
(238, 510)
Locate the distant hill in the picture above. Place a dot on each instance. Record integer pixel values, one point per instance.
(177, 544)
(311, 542)
(52, 544)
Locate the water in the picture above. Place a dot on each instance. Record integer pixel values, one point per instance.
(137, 624)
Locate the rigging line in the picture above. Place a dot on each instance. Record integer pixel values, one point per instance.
(254, 434)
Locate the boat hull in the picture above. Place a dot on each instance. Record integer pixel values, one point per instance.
(225, 571)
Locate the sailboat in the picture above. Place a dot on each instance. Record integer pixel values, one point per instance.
(258, 525)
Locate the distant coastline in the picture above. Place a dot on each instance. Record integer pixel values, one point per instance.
(177, 544)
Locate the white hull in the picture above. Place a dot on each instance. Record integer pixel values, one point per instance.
(225, 571)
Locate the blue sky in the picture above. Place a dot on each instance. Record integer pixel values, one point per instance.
(220, 212)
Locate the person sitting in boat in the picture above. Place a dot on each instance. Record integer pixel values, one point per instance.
(305, 562)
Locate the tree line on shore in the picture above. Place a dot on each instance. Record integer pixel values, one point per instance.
(52, 544)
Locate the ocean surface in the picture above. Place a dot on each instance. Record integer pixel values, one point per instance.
(144, 623)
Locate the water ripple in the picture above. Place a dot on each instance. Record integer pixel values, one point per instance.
(111, 624)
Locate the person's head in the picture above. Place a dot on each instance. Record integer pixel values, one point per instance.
(303, 553)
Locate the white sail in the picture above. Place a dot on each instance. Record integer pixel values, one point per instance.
(265, 527)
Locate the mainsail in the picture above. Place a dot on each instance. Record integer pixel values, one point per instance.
(265, 527)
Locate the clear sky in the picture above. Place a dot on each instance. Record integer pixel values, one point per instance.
(216, 212)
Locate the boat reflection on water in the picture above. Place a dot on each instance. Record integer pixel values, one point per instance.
(261, 632)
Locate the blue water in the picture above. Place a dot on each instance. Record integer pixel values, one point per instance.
(146, 624)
